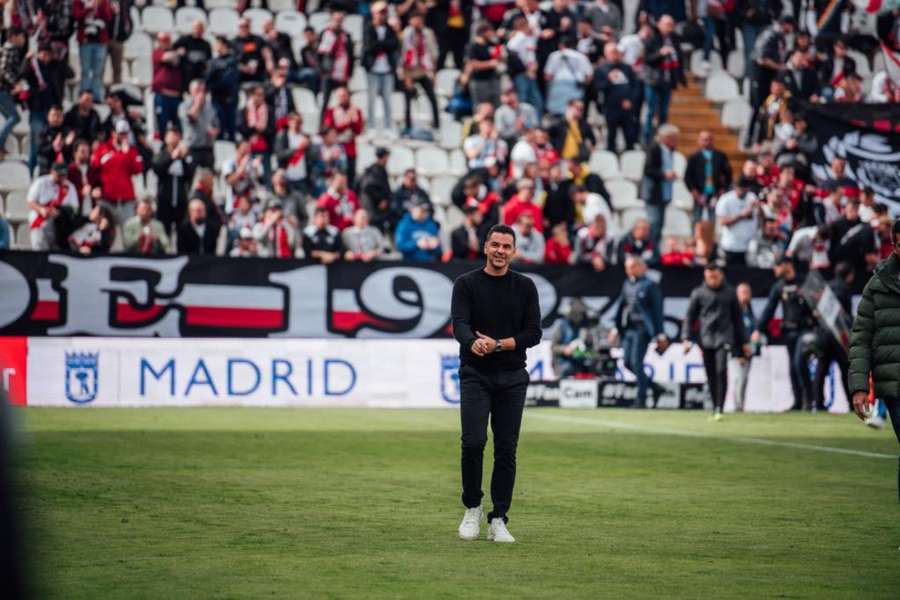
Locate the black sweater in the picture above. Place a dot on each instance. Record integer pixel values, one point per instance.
(498, 307)
(719, 315)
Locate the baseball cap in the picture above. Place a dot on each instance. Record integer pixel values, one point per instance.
(60, 167)
(122, 126)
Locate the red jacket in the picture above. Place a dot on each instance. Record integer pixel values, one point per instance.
(102, 12)
(340, 211)
(346, 131)
(557, 254)
(116, 169)
(515, 207)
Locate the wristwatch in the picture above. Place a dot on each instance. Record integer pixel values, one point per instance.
(497, 347)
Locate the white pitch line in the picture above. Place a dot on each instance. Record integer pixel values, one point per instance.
(698, 434)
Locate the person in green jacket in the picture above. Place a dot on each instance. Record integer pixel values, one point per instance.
(875, 340)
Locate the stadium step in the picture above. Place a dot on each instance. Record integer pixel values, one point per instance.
(691, 112)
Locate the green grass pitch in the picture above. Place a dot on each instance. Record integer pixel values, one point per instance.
(353, 503)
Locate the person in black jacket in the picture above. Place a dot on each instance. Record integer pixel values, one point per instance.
(663, 72)
(451, 21)
(618, 84)
(799, 78)
(707, 176)
(46, 77)
(467, 240)
(197, 234)
(797, 320)
(658, 179)
(715, 314)
(379, 59)
(769, 55)
(375, 192)
(82, 118)
(830, 351)
(835, 68)
(174, 168)
(222, 83)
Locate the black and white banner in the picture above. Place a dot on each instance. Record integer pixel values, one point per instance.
(47, 294)
(868, 137)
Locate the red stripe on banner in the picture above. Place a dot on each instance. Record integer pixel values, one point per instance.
(45, 310)
(14, 369)
(348, 321)
(241, 318)
(881, 125)
(130, 315)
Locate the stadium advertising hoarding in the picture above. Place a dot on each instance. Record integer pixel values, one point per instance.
(49, 294)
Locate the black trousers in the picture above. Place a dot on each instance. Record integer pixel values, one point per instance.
(427, 86)
(715, 362)
(624, 120)
(500, 398)
(452, 42)
(831, 352)
(801, 384)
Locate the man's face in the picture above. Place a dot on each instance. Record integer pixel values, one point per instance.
(320, 219)
(600, 226)
(44, 56)
(339, 183)
(172, 138)
(361, 218)
(641, 230)
(82, 153)
(86, 101)
(851, 211)
(343, 97)
(144, 212)
(840, 50)
(197, 212)
(611, 52)
(526, 223)
(337, 20)
(633, 267)
(666, 25)
(499, 249)
(525, 193)
(55, 117)
(713, 278)
(409, 179)
(705, 140)
(198, 28)
(770, 230)
(244, 27)
(576, 110)
(744, 295)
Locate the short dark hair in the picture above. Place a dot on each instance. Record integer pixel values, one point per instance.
(505, 230)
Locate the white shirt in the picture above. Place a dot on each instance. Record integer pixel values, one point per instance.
(522, 155)
(568, 65)
(736, 237)
(43, 191)
(524, 46)
(595, 205)
(632, 49)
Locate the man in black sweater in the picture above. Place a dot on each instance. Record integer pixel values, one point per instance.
(714, 307)
(496, 316)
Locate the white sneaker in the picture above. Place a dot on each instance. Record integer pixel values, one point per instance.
(875, 422)
(470, 527)
(497, 532)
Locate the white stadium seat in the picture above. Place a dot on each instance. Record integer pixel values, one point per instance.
(678, 223)
(736, 113)
(400, 159)
(623, 194)
(23, 237)
(632, 164)
(458, 164)
(258, 17)
(214, 4)
(736, 64)
(450, 134)
(445, 80)
(629, 216)
(365, 156)
(223, 152)
(358, 81)
(17, 206)
(679, 163)
(223, 21)
(715, 64)
(353, 24)
(318, 20)
(156, 19)
(604, 163)
(681, 195)
(721, 87)
(185, 17)
(304, 99)
(280, 6)
(862, 63)
(441, 187)
(142, 71)
(138, 44)
(431, 162)
(14, 175)
(291, 23)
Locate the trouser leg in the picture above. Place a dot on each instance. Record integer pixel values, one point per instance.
(506, 420)
(475, 408)
(742, 376)
(428, 86)
(715, 362)
(635, 348)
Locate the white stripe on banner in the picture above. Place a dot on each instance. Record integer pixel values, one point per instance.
(607, 424)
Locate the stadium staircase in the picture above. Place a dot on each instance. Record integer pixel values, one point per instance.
(692, 112)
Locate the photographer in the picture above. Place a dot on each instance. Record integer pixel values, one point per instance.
(579, 344)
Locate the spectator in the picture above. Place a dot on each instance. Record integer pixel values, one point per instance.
(174, 167)
(473, 189)
(168, 81)
(120, 29)
(590, 204)
(769, 54)
(292, 200)
(81, 175)
(310, 73)
(143, 234)
(409, 192)
(514, 119)
(197, 234)
(223, 84)
(321, 241)
(638, 242)
(379, 58)
(452, 22)
(867, 205)
(594, 245)
(200, 124)
(54, 145)
(736, 211)
(705, 249)
(46, 78)
(242, 174)
(245, 246)
(195, 52)
(767, 247)
(523, 65)
(707, 176)
(275, 237)
(82, 119)
(521, 203)
(835, 68)
(279, 96)
(559, 249)
(254, 57)
(602, 14)
(340, 202)
(713, 17)
(281, 49)
(93, 18)
(417, 236)
(809, 246)
(419, 52)
(659, 176)
(257, 126)
(330, 158)
(96, 236)
(620, 89)
(116, 162)
(800, 78)
(555, 23)
(567, 72)
(244, 215)
(293, 154)
(530, 245)
(485, 147)
(362, 241)
(663, 73)
(12, 55)
(483, 60)
(375, 192)
(754, 18)
(853, 241)
(676, 253)
(52, 201)
(346, 119)
(203, 191)
(572, 137)
(467, 240)
(335, 57)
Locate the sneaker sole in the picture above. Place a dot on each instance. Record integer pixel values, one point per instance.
(469, 539)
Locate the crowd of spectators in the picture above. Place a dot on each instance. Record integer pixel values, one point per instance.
(540, 89)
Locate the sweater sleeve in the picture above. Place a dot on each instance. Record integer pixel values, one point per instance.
(769, 311)
(460, 315)
(530, 334)
(689, 317)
